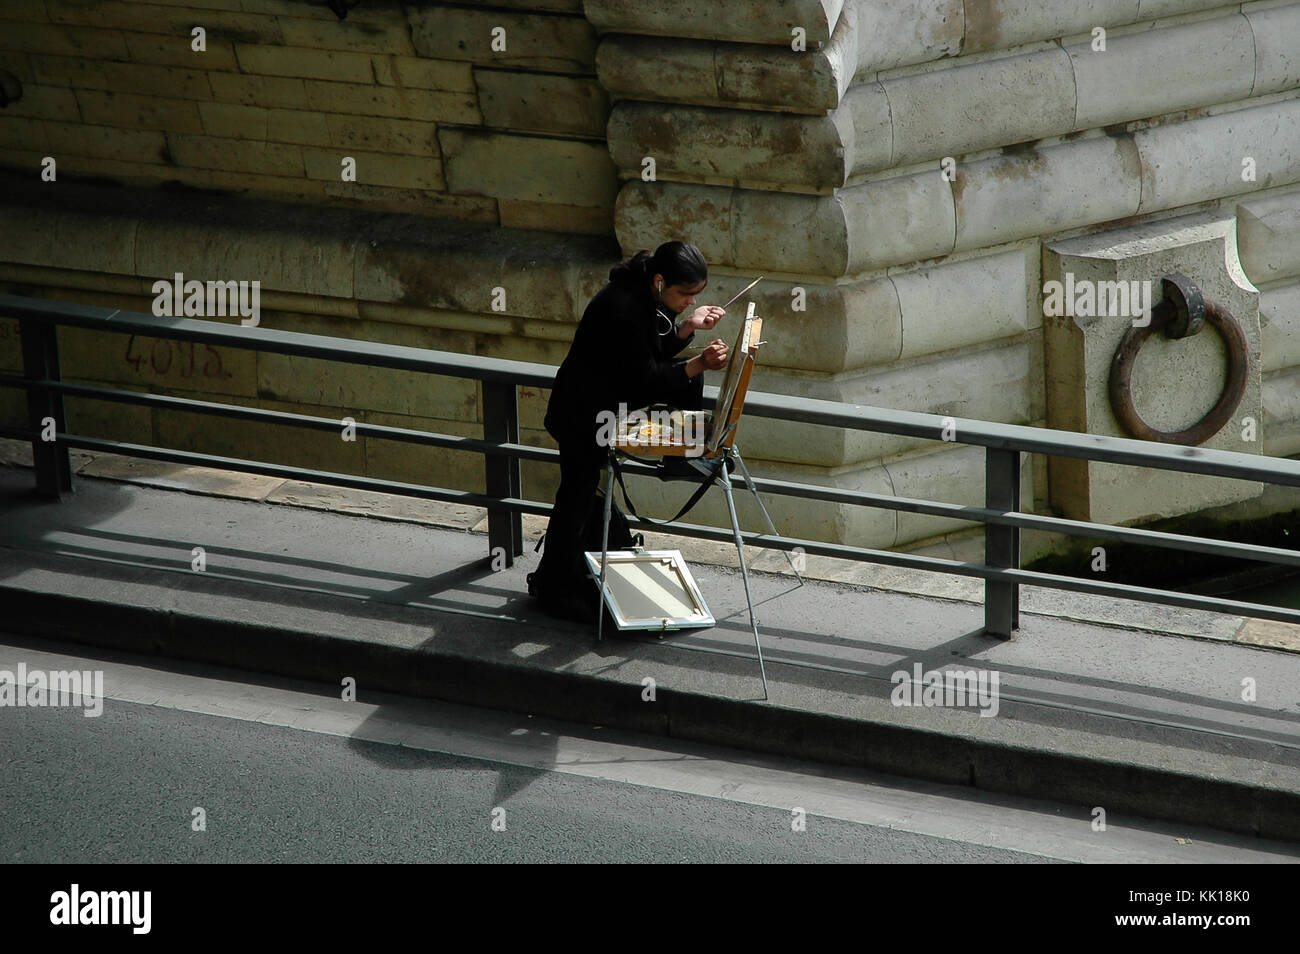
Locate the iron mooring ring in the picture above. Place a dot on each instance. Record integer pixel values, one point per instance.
(1172, 315)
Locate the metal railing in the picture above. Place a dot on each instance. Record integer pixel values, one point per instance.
(1004, 444)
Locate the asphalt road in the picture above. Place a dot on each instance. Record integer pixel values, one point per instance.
(291, 772)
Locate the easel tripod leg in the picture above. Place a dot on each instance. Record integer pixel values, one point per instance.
(604, 545)
(749, 482)
(744, 570)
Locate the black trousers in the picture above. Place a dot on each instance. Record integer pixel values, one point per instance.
(562, 567)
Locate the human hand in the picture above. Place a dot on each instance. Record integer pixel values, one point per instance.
(704, 318)
(715, 355)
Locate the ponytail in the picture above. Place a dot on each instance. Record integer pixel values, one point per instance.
(680, 263)
(633, 271)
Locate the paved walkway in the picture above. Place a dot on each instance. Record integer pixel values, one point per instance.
(1109, 703)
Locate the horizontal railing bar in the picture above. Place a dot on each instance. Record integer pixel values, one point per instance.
(1119, 450)
(287, 418)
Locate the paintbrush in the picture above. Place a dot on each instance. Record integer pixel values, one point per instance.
(743, 290)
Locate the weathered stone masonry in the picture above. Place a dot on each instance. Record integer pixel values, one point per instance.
(914, 174)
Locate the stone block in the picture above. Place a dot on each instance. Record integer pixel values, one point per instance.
(376, 198)
(130, 145)
(53, 102)
(841, 327)
(356, 388)
(62, 40)
(231, 121)
(704, 73)
(65, 239)
(230, 5)
(375, 168)
(964, 304)
(26, 133)
(424, 73)
(541, 102)
(1279, 320)
(1174, 382)
(277, 188)
(550, 217)
(547, 42)
(890, 33)
(1268, 237)
(1163, 70)
(458, 270)
(425, 105)
(786, 232)
(168, 20)
(280, 92)
(1281, 424)
(965, 109)
(306, 260)
(401, 136)
(25, 11)
(1046, 190)
(1186, 163)
(776, 76)
(693, 142)
(306, 63)
(235, 155)
(866, 128)
(549, 6)
(1000, 24)
(527, 167)
(368, 29)
(739, 21)
(895, 221)
(647, 214)
(219, 54)
(92, 73)
(1277, 60)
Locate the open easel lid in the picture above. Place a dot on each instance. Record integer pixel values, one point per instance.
(650, 590)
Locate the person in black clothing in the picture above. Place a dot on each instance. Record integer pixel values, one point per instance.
(623, 353)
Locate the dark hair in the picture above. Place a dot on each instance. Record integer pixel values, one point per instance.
(680, 263)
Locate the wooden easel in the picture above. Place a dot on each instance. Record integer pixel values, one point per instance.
(711, 459)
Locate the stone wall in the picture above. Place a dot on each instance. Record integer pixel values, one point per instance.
(437, 120)
(898, 170)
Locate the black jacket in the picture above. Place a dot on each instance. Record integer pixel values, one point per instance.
(618, 355)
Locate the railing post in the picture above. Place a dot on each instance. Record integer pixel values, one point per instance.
(501, 423)
(40, 344)
(1001, 543)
